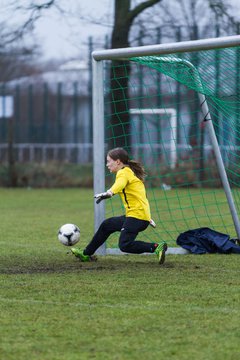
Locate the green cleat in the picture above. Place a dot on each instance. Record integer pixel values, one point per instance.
(79, 254)
(160, 251)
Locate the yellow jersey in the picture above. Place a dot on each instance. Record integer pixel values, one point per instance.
(133, 194)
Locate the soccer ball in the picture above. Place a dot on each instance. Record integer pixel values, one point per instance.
(69, 234)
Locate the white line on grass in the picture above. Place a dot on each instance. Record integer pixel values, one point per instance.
(190, 309)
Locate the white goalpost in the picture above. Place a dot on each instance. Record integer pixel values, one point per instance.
(171, 141)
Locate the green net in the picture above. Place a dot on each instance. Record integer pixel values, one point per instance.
(152, 109)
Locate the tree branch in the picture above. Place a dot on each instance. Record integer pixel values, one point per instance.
(141, 7)
(34, 13)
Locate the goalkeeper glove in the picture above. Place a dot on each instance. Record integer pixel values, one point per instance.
(103, 196)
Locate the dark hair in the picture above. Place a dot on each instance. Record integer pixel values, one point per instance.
(122, 155)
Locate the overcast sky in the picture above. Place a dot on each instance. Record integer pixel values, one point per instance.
(66, 36)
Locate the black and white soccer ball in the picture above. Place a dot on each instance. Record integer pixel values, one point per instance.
(69, 234)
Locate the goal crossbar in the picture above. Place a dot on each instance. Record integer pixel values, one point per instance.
(168, 48)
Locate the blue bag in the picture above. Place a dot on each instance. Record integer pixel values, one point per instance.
(205, 240)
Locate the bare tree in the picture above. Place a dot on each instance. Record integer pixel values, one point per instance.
(124, 16)
(29, 15)
(224, 19)
(14, 56)
(17, 46)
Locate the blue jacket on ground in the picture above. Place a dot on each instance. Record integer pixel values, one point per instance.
(205, 240)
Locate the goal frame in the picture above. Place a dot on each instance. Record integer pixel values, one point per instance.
(172, 113)
(98, 58)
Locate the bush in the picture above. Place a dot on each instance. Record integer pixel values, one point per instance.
(49, 175)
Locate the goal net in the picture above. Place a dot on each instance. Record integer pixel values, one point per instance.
(175, 108)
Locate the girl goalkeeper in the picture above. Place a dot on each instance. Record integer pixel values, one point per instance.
(130, 186)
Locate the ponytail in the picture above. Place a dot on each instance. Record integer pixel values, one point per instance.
(138, 169)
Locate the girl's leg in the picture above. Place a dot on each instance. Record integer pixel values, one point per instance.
(107, 227)
(129, 232)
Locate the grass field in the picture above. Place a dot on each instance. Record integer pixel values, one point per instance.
(55, 308)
